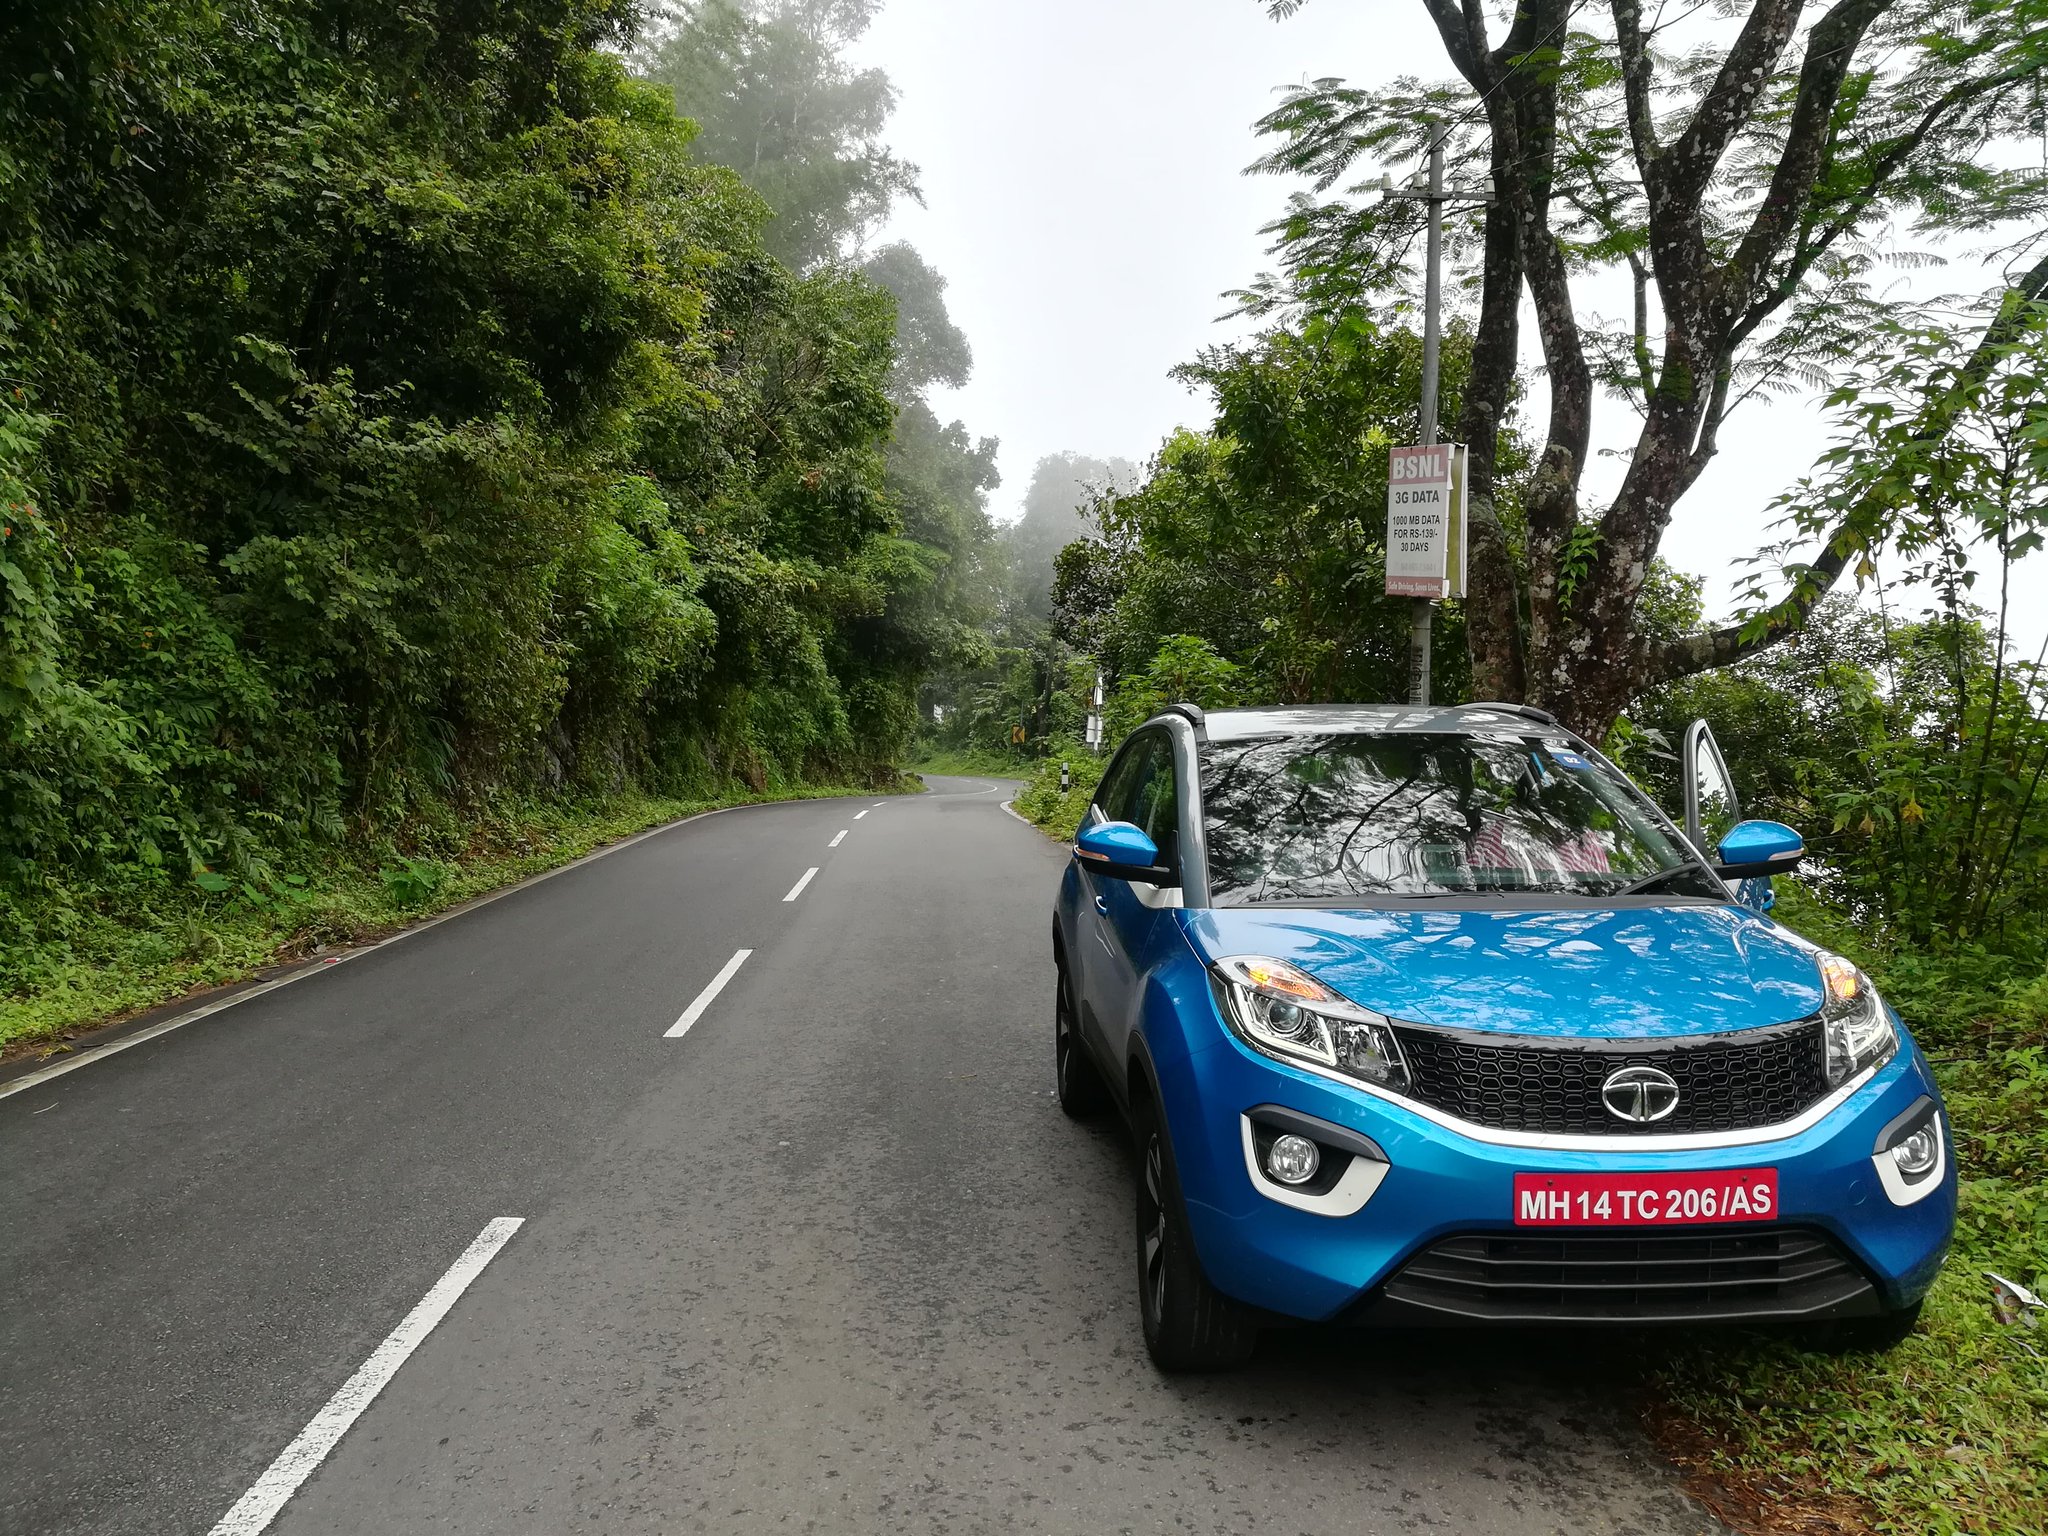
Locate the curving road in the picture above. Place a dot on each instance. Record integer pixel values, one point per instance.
(829, 1259)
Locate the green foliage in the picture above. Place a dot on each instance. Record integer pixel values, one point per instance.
(412, 883)
(1043, 802)
(1910, 755)
(929, 756)
(1788, 161)
(1184, 670)
(1265, 536)
(774, 100)
(1060, 506)
(398, 413)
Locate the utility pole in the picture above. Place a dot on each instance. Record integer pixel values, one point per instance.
(1432, 347)
(1438, 198)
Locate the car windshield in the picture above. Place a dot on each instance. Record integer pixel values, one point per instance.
(1415, 814)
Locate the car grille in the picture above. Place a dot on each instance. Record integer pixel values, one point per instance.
(1520, 1083)
(1642, 1277)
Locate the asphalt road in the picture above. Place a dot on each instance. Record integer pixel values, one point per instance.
(831, 1261)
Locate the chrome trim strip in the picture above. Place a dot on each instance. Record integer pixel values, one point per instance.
(1896, 1189)
(1359, 1182)
(1550, 1142)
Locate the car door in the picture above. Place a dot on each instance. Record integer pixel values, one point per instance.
(1712, 806)
(1092, 949)
(1147, 795)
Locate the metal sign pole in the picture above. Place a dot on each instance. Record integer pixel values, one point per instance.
(1426, 492)
(1432, 345)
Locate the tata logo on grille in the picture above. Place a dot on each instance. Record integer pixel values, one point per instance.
(1641, 1094)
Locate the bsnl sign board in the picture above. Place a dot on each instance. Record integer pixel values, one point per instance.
(1426, 521)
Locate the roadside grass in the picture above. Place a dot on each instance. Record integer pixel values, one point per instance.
(73, 959)
(969, 761)
(1041, 802)
(1946, 1434)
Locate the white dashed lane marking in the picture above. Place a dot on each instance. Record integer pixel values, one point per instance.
(798, 889)
(703, 1000)
(295, 1463)
(836, 841)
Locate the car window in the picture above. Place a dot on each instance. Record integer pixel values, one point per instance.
(1113, 795)
(1423, 813)
(1146, 793)
(1155, 803)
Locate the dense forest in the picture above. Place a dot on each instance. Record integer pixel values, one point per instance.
(410, 412)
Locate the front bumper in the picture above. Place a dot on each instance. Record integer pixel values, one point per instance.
(1447, 1193)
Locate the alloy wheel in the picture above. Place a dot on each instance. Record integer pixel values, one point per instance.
(1154, 1253)
(1063, 1044)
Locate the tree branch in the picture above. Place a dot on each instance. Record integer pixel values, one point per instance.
(1812, 246)
(1830, 50)
(1731, 643)
(1744, 76)
(1635, 81)
(1464, 40)
(1710, 424)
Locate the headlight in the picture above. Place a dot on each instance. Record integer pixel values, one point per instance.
(1282, 1010)
(1858, 1033)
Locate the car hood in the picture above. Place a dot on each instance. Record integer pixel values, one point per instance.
(1622, 972)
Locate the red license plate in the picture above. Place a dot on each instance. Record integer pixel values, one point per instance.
(1645, 1199)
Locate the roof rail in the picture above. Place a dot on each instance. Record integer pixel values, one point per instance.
(1192, 713)
(1528, 711)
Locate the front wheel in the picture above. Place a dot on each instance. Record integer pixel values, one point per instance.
(1189, 1324)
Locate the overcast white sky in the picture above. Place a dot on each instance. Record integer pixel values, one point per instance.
(1081, 166)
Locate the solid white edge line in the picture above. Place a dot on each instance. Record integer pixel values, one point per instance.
(798, 889)
(254, 1511)
(858, 814)
(704, 999)
(85, 1058)
(838, 839)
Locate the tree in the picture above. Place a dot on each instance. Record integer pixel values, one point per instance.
(1264, 536)
(399, 418)
(1740, 176)
(1056, 512)
(930, 348)
(774, 99)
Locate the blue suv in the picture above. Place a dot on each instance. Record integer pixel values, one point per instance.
(1431, 1016)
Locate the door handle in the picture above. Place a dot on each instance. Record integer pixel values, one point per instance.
(1102, 906)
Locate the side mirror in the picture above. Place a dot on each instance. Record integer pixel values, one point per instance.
(1755, 850)
(1121, 851)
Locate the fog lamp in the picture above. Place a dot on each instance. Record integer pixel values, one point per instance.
(1917, 1154)
(1293, 1159)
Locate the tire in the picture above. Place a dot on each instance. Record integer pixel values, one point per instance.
(1864, 1335)
(1082, 1092)
(1189, 1325)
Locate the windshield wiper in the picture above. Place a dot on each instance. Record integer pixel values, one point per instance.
(1636, 887)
